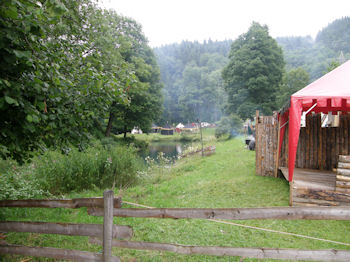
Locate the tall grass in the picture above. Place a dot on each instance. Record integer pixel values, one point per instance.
(99, 166)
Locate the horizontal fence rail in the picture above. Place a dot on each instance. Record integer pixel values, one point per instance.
(60, 203)
(74, 255)
(91, 230)
(109, 235)
(260, 253)
(314, 213)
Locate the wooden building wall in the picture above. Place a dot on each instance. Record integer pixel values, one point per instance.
(318, 147)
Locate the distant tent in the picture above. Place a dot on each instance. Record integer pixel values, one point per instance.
(136, 130)
(179, 127)
(167, 130)
(155, 128)
(190, 127)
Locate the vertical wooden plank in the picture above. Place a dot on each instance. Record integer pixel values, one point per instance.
(324, 148)
(337, 143)
(291, 193)
(329, 148)
(263, 149)
(108, 197)
(272, 146)
(307, 156)
(320, 166)
(333, 158)
(342, 136)
(277, 157)
(315, 163)
(257, 144)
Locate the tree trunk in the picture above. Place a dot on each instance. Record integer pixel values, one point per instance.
(125, 131)
(110, 121)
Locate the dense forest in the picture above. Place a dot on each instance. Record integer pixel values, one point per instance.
(193, 87)
(193, 73)
(315, 56)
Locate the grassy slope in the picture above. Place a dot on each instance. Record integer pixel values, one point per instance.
(225, 179)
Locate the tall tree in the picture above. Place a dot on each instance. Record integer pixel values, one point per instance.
(293, 81)
(144, 91)
(61, 71)
(254, 72)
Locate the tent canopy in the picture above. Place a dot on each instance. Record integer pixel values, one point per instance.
(330, 93)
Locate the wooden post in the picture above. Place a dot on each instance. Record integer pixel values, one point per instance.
(257, 144)
(200, 129)
(278, 146)
(108, 197)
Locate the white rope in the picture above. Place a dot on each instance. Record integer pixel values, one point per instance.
(257, 228)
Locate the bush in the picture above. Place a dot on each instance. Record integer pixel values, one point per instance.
(96, 167)
(103, 165)
(231, 125)
(18, 182)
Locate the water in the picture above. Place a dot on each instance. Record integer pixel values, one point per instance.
(170, 150)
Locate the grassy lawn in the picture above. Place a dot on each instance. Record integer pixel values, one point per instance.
(225, 179)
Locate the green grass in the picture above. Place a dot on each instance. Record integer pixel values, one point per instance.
(225, 179)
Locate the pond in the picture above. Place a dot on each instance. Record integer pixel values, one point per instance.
(171, 150)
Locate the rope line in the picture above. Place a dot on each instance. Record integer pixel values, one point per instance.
(257, 228)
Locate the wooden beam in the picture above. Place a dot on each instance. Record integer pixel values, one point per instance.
(343, 165)
(93, 230)
(327, 195)
(343, 178)
(59, 203)
(260, 253)
(75, 255)
(343, 172)
(343, 158)
(318, 213)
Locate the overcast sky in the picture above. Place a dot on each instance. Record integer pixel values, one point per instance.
(171, 21)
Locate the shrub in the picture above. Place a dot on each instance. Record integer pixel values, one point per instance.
(230, 125)
(18, 183)
(96, 167)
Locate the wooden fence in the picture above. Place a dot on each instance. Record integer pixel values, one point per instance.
(318, 147)
(104, 234)
(266, 137)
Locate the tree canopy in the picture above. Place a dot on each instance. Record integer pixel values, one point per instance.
(254, 72)
(65, 63)
(193, 88)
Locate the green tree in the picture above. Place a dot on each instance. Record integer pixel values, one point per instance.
(193, 86)
(293, 81)
(62, 71)
(254, 72)
(144, 91)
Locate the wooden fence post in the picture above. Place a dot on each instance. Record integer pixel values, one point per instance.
(108, 197)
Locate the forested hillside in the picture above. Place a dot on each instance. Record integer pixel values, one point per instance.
(193, 87)
(192, 73)
(315, 56)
